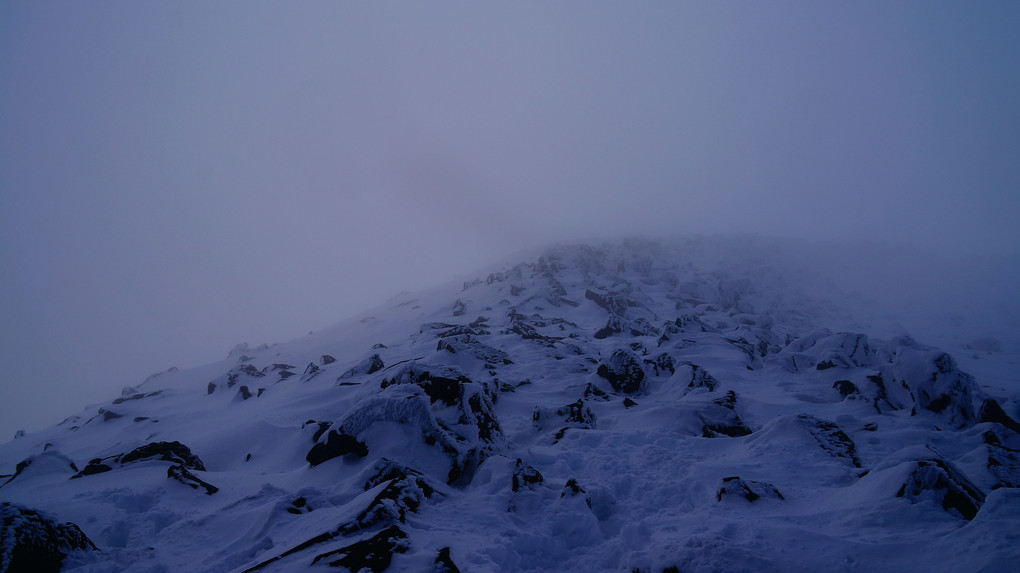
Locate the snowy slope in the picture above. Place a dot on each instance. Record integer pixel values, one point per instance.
(692, 405)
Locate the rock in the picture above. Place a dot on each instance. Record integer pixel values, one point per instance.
(459, 308)
(831, 438)
(991, 411)
(700, 378)
(574, 489)
(845, 388)
(311, 371)
(326, 359)
(934, 383)
(181, 474)
(663, 365)
(628, 403)
(613, 302)
(370, 365)
(174, 452)
(525, 476)
(938, 480)
(444, 563)
(337, 443)
(737, 487)
(373, 554)
(623, 371)
(720, 419)
(34, 542)
(614, 325)
(578, 413)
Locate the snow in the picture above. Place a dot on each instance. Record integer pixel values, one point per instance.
(755, 340)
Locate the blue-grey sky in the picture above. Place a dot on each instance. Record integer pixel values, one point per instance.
(178, 177)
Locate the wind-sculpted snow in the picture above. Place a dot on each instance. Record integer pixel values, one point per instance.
(698, 405)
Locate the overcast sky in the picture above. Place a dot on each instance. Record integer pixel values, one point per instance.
(179, 177)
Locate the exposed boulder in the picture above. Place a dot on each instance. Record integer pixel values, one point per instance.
(845, 388)
(614, 303)
(736, 487)
(831, 438)
(700, 378)
(373, 554)
(311, 371)
(34, 542)
(370, 365)
(174, 452)
(623, 371)
(181, 474)
(525, 476)
(991, 411)
(336, 444)
(720, 419)
(662, 365)
(937, 480)
(936, 383)
(614, 325)
(444, 563)
(574, 489)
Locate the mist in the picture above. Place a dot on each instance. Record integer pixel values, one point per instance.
(179, 178)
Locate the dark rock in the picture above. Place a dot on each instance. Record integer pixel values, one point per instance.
(831, 438)
(311, 371)
(938, 478)
(825, 365)
(337, 443)
(991, 411)
(459, 308)
(210, 388)
(614, 325)
(525, 476)
(33, 542)
(578, 413)
(700, 378)
(628, 403)
(663, 365)
(623, 371)
(613, 302)
(747, 489)
(181, 474)
(592, 391)
(109, 415)
(574, 489)
(373, 554)
(244, 392)
(326, 359)
(167, 451)
(845, 388)
(444, 563)
(174, 452)
(370, 365)
(720, 418)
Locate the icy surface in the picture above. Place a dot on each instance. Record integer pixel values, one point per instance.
(703, 405)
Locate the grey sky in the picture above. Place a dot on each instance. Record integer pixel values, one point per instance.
(176, 178)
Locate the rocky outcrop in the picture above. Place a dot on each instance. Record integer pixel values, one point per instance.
(623, 371)
(735, 487)
(937, 480)
(31, 541)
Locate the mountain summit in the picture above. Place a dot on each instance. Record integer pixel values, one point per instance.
(692, 405)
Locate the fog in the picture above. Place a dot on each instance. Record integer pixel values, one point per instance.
(176, 178)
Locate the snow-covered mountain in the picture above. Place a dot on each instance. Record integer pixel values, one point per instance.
(691, 405)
